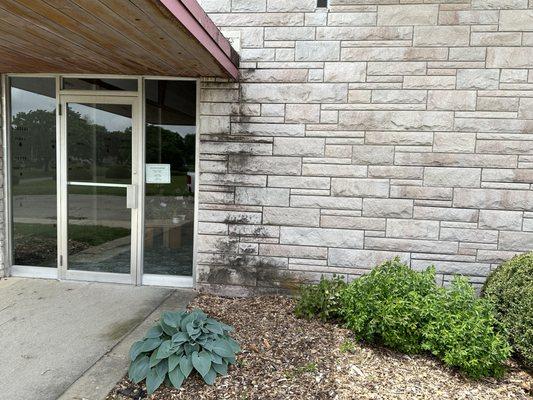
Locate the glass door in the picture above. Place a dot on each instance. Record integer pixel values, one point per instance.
(99, 180)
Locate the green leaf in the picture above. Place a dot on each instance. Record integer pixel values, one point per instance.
(192, 331)
(154, 332)
(222, 349)
(186, 365)
(139, 368)
(189, 348)
(180, 338)
(136, 349)
(230, 360)
(172, 319)
(233, 345)
(201, 362)
(216, 358)
(185, 321)
(210, 377)
(151, 344)
(165, 350)
(222, 368)
(176, 377)
(154, 360)
(155, 377)
(169, 330)
(173, 361)
(215, 328)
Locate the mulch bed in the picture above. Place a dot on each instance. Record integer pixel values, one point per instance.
(288, 358)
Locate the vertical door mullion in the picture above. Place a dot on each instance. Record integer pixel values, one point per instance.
(62, 189)
(139, 141)
(134, 181)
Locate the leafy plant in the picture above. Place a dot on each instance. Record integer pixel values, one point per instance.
(321, 300)
(388, 305)
(348, 346)
(510, 288)
(298, 371)
(461, 331)
(178, 344)
(404, 309)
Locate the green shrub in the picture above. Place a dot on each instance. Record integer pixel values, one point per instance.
(322, 300)
(404, 309)
(461, 331)
(510, 288)
(180, 342)
(388, 305)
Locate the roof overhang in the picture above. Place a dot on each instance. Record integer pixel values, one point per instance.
(126, 37)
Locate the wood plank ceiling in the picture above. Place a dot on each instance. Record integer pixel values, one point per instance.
(127, 37)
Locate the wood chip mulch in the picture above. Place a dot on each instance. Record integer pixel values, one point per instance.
(288, 358)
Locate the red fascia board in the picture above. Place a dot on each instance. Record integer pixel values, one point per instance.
(191, 15)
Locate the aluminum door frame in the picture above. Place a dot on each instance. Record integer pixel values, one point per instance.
(133, 99)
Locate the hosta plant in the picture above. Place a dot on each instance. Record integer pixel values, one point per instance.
(178, 344)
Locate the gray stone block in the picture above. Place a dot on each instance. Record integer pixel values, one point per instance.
(291, 216)
(393, 208)
(262, 196)
(345, 238)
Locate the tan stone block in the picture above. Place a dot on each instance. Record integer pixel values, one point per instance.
(407, 14)
(451, 100)
(441, 36)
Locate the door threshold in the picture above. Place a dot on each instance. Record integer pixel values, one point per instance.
(24, 271)
(168, 280)
(173, 281)
(102, 277)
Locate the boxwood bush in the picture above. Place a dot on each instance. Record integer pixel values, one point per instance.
(405, 310)
(510, 288)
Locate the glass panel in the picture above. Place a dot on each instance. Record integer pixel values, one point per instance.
(99, 84)
(99, 142)
(33, 171)
(169, 203)
(99, 229)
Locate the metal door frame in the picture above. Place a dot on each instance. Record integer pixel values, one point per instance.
(123, 98)
(138, 278)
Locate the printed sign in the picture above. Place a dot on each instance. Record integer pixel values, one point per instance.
(157, 173)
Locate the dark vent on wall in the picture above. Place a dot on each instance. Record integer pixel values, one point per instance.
(322, 3)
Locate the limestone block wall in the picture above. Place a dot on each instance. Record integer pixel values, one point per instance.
(365, 131)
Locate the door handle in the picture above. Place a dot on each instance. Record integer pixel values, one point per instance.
(131, 196)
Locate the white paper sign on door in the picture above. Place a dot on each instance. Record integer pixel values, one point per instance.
(157, 173)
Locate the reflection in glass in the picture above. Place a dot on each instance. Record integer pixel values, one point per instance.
(99, 229)
(99, 142)
(33, 171)
(169, 206)
(99, 84)
(99, 145)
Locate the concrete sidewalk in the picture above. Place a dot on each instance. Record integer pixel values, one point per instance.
(70, 340)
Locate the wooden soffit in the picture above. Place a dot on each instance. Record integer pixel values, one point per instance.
(126, 37)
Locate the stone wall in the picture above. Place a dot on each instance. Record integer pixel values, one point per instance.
(370, 130)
